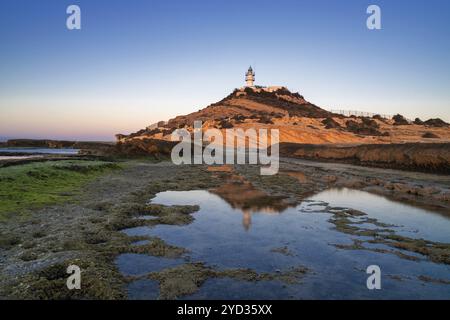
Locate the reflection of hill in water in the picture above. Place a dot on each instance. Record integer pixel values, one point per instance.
(242, 195)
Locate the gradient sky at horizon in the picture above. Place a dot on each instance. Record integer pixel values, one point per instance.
(136, 62)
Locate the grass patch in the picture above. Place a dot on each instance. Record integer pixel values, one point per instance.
(34, 185)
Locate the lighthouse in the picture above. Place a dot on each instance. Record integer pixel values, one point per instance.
(249, 77)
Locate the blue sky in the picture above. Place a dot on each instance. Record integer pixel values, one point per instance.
(136, 62)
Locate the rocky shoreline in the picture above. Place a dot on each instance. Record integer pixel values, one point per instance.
(433, 157)
(423, 157)
(48, 143)
(87, 231)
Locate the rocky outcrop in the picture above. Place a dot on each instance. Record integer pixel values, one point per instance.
(399, 120)
(418, 121)
(428, 157)
(143, 147)
(32, 143)
(436, 123)
(132, 148)
(55, 144)
(367, 127)
(330, 123)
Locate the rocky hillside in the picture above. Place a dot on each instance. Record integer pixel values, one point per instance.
(257, 105)
(298, 121)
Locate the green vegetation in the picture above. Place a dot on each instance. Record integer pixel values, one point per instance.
(347, 221)
(34, 185)
(187, 278)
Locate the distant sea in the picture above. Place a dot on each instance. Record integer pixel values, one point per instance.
(62, 151)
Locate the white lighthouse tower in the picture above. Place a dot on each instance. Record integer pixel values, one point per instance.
(249, 77)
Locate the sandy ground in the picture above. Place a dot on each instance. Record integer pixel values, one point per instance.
(86, 231)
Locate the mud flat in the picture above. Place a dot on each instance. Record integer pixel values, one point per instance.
(427, 157)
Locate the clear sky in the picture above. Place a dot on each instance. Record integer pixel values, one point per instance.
(135, 62)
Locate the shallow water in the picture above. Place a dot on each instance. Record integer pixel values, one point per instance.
(227, 236)
(416, 222)
(132, 264)
(62, 151)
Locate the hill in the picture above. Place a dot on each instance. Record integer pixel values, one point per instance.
(297, 120)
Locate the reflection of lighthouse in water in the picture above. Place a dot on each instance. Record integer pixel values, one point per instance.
(247, 214)
(240, 194)
(246, 219)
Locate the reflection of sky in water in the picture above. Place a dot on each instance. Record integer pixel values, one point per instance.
(143, 289)
(415, 222)
(218, 238)
(132, 264)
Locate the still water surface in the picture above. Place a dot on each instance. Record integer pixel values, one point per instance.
(226, 235)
